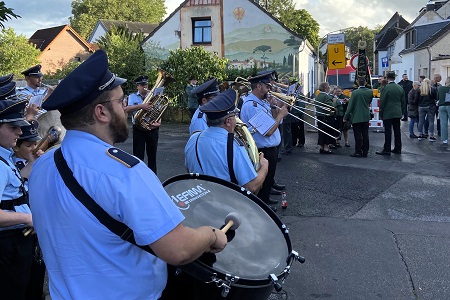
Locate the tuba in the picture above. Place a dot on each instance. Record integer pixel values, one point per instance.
(241, 131)
(159, 103)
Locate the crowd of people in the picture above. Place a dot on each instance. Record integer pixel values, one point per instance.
(69, 196)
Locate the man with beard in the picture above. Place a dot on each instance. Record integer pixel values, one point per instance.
(407, 85)
(85, 259)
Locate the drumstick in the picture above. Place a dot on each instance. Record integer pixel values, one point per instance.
(233, 221)
(27, 231)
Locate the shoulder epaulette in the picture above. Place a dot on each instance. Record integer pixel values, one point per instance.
(121, 156)
(255, 104)
(200, 115)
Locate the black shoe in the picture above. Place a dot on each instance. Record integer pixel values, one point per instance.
(300, 145)
(273, 208)
(365, 155)
(382, 152)
(405, 119)
(347, 145)
(396, 151)
(275, 192)
(356, 155)
(325, 151)
(279, 186)
(272, 201)
(413, 136)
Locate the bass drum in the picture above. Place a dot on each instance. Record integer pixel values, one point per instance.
(258, 256)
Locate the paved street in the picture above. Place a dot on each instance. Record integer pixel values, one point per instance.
(369, 228)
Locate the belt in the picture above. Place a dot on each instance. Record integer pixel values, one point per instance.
(11, 232)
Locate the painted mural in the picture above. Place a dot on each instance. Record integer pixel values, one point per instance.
(251, 38)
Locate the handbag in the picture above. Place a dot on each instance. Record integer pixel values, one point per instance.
(447, 96)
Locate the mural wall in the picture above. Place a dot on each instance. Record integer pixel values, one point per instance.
(251, 37)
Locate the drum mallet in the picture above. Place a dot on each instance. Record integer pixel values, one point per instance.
(232, 221)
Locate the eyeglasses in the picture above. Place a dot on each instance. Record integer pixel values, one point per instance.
(111, 100)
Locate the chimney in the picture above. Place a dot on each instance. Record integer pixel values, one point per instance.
(430, 6)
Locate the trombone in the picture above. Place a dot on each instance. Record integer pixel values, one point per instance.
(288, 101)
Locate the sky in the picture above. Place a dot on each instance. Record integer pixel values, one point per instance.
(331, 15)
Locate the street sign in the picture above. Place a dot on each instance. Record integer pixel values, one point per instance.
(336, 56)
(354, 61)
(338, 38)
(384, 62)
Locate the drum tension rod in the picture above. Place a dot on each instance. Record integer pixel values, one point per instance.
(275, 282)
(224, 284)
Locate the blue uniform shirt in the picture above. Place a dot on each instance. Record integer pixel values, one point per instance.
(37, 96)
(135, 99)
(84, 259)
(198, 122)
(10, 184)
(212, 152)
(252, 105)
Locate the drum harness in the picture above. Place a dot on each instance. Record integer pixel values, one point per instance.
(230, 145)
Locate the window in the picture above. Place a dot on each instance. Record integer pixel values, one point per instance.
(410, 39)
(202, 31)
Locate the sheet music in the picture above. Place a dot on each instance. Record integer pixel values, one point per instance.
(291, 89)
(158, 91)
(36, 100)
(262, 122)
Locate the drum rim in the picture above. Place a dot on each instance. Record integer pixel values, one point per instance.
(205, 268)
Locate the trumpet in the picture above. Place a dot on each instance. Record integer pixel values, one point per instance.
(288, 100)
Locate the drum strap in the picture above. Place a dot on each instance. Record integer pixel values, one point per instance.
(196, 151)
(230, 144)
(116, 227)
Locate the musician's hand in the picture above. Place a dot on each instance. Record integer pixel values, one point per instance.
(283, 111)
(263, 161)
(31, 111)
(146, 106)
(155, 124)
(220, 243)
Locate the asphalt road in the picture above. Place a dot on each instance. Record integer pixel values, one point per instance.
(369, 228)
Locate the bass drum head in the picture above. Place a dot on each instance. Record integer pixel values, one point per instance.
(260, 245)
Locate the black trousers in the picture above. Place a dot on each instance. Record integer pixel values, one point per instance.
(146, 141)
(16, 258)
(389, 125)
(325, 139)
(361, 133)
(271, 154)
(298, 133)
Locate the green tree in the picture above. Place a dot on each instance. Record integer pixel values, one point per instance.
(16, 52)
(5, 14)
(194, 61)
(303, 24)
(263, 49)
(277, 7)
(87, 12)
(125, 56)
(355, 34)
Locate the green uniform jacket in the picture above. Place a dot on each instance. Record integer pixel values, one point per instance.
(326, 99)
(358, 107)
(391, 101)
(442, 90)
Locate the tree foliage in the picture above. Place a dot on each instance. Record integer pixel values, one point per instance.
(194, 61)
(297, 20)
(5, 14)
(355, 34)
(16, 52)
(302, 23)
(125, 56)
(87, 12)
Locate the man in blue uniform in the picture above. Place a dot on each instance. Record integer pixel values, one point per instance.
(204, 93)
(16, 250)
(267, 137)
(32, 91)
(216, 152)
(144, 141)
(85, 260)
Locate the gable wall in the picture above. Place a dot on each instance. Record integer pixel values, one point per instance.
(62, 50)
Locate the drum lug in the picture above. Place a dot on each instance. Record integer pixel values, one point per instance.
(224, 284)
(299, 258)
(286, 230)
(275, 282)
